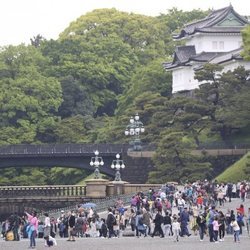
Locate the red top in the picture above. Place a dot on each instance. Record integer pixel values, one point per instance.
(241, 210)
(199, 200)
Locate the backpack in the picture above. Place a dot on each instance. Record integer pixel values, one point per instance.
(140, 221)
(113, 220)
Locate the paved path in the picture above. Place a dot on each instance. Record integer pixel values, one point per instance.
(132, 243)
(148, 243)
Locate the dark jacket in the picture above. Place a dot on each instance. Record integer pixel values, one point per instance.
(201, 221)
(110, 219)
(158, 219)
(184, 217)
(72, 221)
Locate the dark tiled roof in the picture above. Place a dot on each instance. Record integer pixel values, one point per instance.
(183, 53)
(208, 24)
(227, 56)
(235, 29)
(203, 57)
(169, 65)
(181, 56)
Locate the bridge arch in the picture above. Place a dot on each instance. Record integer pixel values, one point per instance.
(63, 155)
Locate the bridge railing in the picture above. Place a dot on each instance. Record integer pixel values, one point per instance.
(42, 191)
(102, 205)
(61, 149)
(223, 145)
(31, 149)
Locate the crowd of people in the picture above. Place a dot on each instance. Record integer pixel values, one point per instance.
(171, 212)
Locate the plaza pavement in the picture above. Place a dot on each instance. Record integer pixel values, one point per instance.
(148, 243)
(131, 243)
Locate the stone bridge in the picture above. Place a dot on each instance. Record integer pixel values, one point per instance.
(76, 156)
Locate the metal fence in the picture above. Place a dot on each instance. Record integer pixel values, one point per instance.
(101, 205)
(223, 145)
(61, 149)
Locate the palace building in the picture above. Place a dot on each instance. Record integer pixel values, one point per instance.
(215, 39)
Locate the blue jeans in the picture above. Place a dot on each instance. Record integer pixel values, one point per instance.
(237, 235)
(202, 229)
(184, 229)
(211, 232)
(33, 239)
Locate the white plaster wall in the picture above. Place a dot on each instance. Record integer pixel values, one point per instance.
(204, 42)
(235, 64)
(183, 79)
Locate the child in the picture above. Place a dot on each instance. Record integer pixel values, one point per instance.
(50, 241)
(216, 229)
(236, 230)
(176, 227)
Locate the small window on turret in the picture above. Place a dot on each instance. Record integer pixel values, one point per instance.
(221, 45)
(214, 45)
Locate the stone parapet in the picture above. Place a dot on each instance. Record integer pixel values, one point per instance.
(96, 188)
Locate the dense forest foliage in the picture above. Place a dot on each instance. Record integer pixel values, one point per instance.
(105, 67)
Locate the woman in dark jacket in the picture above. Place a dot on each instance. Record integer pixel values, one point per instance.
(158, 221)
(221, 221)
(110, 223)
(71, 224)
(201, 222)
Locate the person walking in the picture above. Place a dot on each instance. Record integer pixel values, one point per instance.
(15, 222)
(184, 217)
(211, 214)
(32, 228)
(111, 221)
(47, 226)
(147, 220)
(141, 228)
(221, 221)
(201, 222)
(216, 229)
(240, 221)
(236, 230)
(158, 221)
(71, 226)
(176, 228)
(167, 224)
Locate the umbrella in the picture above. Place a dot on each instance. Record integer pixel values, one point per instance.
(88, 205)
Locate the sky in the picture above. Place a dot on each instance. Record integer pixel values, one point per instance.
(21, 20)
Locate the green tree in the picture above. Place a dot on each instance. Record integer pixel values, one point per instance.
(29, 100)
(74, 129)
(151, 77)
(246, 43)
(226, 95)
(174, 162)
(76, 100)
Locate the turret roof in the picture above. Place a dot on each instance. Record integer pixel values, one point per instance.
(218, 21)
(204, 57)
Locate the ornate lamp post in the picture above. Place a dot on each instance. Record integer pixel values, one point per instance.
(117, 165)
(135, 128)
(96, 161)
